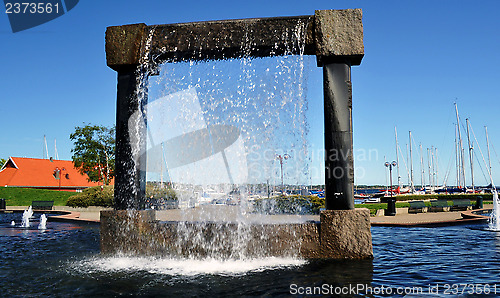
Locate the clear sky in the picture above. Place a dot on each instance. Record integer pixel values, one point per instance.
(420, 57)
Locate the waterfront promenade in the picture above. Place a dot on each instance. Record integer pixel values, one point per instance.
(229, 213)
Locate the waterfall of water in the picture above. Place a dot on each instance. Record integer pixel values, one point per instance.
(214, 131)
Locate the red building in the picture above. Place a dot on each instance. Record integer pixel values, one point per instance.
(43, 174)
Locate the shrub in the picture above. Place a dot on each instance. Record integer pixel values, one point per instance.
(94, 196)
(160, 197)
(290, 205)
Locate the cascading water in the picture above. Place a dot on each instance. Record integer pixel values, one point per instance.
(214, 130)
(27, 214)
(494, 221)
(43, 222)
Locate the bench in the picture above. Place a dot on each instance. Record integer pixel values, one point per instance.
(439, 206)
(417, 207)
(461, 205)
(42, 205)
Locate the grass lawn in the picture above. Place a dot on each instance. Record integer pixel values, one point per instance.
(24, 196)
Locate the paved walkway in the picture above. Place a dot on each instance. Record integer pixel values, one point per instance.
(403, 218)
(420, 219)
(230, 213)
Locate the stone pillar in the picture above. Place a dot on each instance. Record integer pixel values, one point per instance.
(339, 161)
(130, 154)
(339, 44)
(124, 48)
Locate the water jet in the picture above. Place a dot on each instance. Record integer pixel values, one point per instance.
(43, 222)
(27, 214)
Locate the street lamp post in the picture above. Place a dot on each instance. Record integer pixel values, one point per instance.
(281, 158)
(391, 202)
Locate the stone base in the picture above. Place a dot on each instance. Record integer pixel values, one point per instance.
(345, 234)
(127, 231)
(341, 234)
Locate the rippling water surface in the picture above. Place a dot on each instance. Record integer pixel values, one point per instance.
(64, 261)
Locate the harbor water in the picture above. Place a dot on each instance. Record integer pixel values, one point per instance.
(64, 260)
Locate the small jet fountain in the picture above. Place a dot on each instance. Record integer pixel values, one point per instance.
(494, 221)
(43, 222)
(26, 217)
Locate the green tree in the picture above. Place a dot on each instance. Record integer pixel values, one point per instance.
(2, 162)
(94, 152)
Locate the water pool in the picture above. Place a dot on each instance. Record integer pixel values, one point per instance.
(64, 260)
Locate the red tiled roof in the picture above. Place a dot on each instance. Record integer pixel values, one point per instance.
(34, 172)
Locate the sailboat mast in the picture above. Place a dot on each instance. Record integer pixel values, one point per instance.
(46, 148)
(489, 158)
(461, 149)
(161, 167)
(422, 182)
(56, 155)
(457, 165)
(471, 154)
(397, 157)
(407, 167)
(429, 167)
(433, 168)
(437, 168)
(412, 188)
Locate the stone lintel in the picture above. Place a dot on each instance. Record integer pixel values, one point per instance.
(333, 35)
(259, 37)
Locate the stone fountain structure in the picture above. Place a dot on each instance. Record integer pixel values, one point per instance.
(335, 37)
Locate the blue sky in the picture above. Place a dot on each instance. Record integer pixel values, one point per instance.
(420, 57)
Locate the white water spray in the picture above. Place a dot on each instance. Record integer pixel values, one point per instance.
(185, 267)
(43, 222)
(26, 217)
(494, 221)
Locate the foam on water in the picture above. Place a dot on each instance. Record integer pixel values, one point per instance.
(494, 221)
(184, 267)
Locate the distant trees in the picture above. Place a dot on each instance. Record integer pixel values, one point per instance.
(2, 162)
(94, 152)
